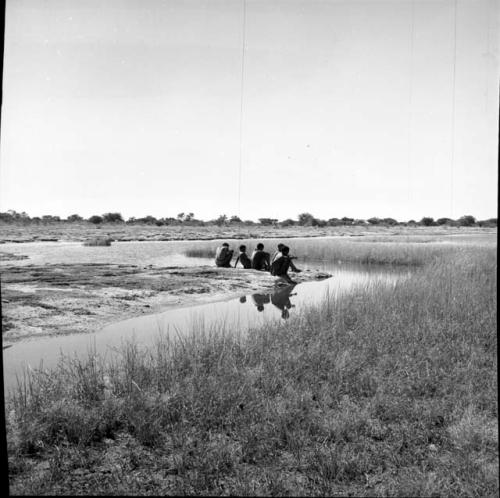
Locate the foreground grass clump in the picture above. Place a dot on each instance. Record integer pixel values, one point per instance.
(98, 241)
(389, 391)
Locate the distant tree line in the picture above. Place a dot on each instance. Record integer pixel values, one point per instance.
(303, 219)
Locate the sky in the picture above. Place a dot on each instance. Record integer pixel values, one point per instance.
(255, 108)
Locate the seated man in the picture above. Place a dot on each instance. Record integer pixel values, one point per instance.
(223, 256)
(278, 254)
(261, 259)
(243, 258)
(280, 266)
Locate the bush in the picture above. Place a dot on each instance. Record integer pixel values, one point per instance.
(466, 221)
(95, 219)
(112, 218)
(287, 223)
(267, 221)
(444, 221)
(491, 222)
(74, 217)
(427, 221)
(306, 219)
(98, 241)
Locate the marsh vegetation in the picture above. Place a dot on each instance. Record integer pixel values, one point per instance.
(386, 391)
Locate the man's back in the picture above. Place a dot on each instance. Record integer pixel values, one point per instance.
(223, 256)
(260, 260)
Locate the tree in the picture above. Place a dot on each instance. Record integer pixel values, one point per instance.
(235, 219)
(221, 220)
(466, 221)
(74, 217)
(346, 221)
(389, 221)
(287, 223)
(146, 220)
(490, 222)
(444, 221)
(374, 221)
(334, 222)
(95, 219)
(427, 221)
(48, 218)
(306, 219)
(267, 221)
(112, 218)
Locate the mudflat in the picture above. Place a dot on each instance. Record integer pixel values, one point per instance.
(53, 299)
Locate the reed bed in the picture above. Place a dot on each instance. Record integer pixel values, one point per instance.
(388, 391)
(352, 250)
(98, 241)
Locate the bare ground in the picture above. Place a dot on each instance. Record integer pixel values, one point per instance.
(67, 298)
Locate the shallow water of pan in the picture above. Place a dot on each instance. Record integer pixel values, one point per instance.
(234, 315)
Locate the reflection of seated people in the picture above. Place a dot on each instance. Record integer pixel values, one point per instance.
(281, 300)
(261, 259)
(260, 300)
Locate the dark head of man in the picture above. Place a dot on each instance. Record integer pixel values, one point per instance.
(280, 246)
(285, 250)
(243, 248)
(260, 246)
(225, 244)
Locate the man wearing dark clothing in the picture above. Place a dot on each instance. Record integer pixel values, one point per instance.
(223, 256)
(261, 259)
(278, 254)
(281, 264)
(243, 258)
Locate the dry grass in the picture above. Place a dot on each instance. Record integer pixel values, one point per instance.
(98, 241)
(385, 392)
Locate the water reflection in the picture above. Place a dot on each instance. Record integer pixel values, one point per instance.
(260, 300)
(279, 298)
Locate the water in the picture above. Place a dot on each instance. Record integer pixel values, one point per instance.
(237, 315)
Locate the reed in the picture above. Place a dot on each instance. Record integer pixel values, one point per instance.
(385, 391)
(98, 241)
(352, 250)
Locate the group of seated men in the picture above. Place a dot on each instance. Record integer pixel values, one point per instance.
(277, 265)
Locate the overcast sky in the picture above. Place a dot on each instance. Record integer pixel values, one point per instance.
(347, 108)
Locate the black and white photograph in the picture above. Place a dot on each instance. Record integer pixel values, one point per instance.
(249, 247)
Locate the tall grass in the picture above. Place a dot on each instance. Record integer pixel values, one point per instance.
(379, 251)
(386, 391)
(98, 241)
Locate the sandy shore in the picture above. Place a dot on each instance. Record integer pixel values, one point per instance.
(67, 298)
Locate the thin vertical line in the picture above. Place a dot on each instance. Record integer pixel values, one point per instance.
(453, 106)
(410, 102)
(241, 105)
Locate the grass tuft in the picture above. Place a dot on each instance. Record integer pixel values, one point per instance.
(98, 241)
